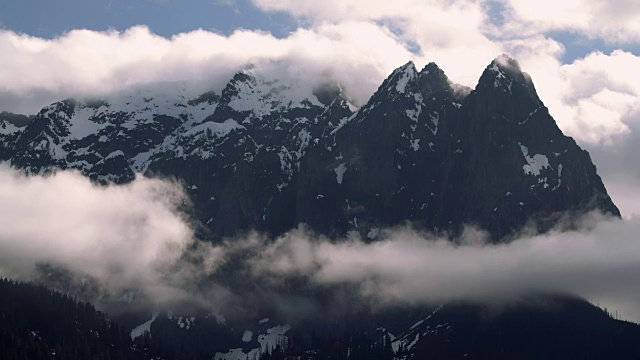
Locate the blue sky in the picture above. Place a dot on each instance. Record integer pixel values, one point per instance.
(50, 19)
(578, 46)
(45, 18)
(582, 54)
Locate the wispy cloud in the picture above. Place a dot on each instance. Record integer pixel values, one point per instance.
(133, 237)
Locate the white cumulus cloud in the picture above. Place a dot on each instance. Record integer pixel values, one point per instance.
(613, 21)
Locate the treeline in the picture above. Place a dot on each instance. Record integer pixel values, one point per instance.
(351, 346)
(38, 323)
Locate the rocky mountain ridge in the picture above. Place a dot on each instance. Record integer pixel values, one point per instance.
(267, 154)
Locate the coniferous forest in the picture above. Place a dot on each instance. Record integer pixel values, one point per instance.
(38, 323)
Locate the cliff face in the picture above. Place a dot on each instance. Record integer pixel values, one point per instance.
(268, 155)
(422, 151)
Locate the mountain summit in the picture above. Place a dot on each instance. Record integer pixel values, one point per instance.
(267, 154)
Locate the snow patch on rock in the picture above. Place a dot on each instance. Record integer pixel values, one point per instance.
(145, 327)
(340, 170)
(535, 163)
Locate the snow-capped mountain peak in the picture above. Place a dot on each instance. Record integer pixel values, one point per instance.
(270, 153)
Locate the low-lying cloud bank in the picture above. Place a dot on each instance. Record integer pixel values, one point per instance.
(135, 237)
(601, 263)
(123, 237)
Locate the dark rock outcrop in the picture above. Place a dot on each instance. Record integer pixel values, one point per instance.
(267, 154)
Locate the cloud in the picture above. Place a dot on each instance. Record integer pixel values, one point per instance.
(593, 99)
(358, 43)
(84, 63)
(360, 49)
(617, 22)
(128, 237)
(622, 180)
(450, 33)
(135, 238)
(600, 263)
(604, 90)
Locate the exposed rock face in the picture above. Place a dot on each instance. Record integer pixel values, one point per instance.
(269, 155)
(422, 151)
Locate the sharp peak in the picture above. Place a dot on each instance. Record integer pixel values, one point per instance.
(505, 62)
(503, 68)
(410, 65)
(504, 71)
(247, 75)
(73, 102)
(69, 100)
(407, 70)
(244, 73)
(434, 81)
(248, 71)
(261, 74)
(431, 71)
(431, 67)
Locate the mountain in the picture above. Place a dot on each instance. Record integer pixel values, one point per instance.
(421, 150)
(10, 125)
(16, 120)
(37, 323)
(535, 327)
(268, 154)
(540, 327)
